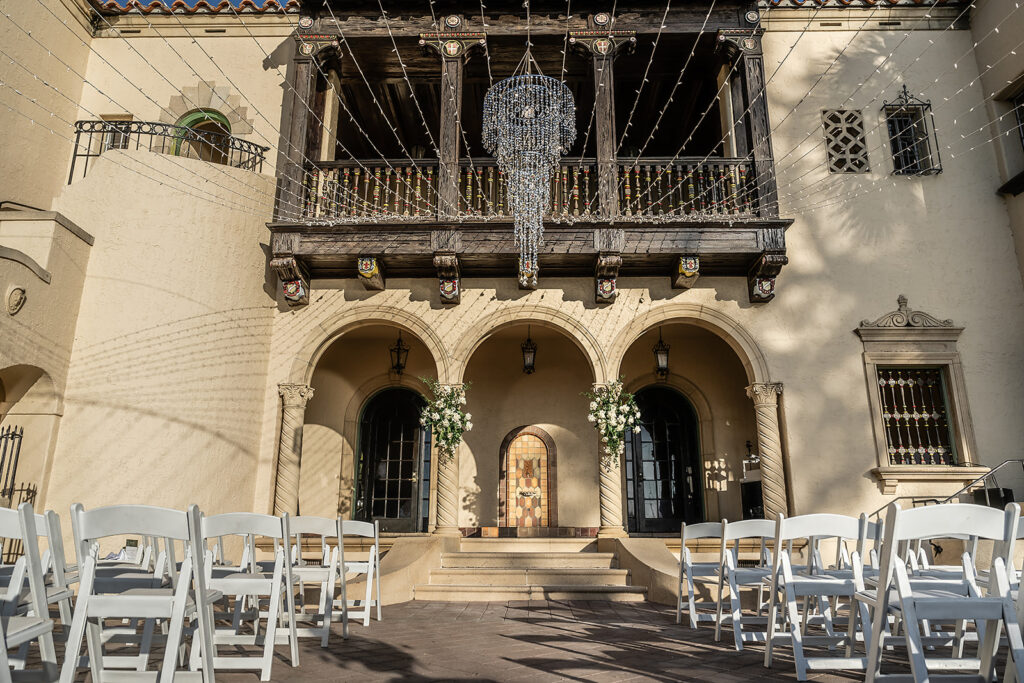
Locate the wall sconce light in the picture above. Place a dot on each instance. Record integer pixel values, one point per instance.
(399, 354)
(529, 354)
(661, 357)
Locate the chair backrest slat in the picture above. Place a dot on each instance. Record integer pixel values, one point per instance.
(243, 524)
(703, 530)
(356, 528)
(314, 526)
(748, 528)
(132, 520)
(819, 525)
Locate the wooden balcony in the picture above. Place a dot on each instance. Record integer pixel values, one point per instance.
(672, 217)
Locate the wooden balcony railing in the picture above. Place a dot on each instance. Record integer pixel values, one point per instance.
(687, 187)
(397, 190)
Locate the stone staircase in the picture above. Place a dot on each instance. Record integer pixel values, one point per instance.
(503, 570)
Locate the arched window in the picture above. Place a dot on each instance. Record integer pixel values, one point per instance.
(208, 137)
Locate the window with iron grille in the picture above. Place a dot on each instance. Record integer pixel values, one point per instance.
(844, 140)
(912, 140)
(915, 416)
(117, 136)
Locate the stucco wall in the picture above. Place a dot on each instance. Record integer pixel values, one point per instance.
(169, 361)
(33, 160)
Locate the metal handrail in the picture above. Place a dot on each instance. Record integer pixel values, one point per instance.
(92, 138)
(991, 473)
(974, 483)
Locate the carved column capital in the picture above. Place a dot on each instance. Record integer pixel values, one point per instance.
(765, 393)
(295, 395)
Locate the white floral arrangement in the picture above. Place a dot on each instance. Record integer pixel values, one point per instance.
(445, 417)
(613, 412)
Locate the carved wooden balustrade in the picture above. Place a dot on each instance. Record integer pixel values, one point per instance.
(687, 187)
(397, 190)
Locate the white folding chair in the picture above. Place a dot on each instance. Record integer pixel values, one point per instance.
(731, 574)
(818, 585)
(134, 596)
(943, 598)
(36, 625)
(688, 569)
(327, 575)
(245, 583)
(370, 568)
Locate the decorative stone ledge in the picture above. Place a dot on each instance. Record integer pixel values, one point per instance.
(891, 477)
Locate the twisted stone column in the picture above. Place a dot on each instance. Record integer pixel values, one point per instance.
(769, 447)
(611, 500)
(447, 507)
(289, 452)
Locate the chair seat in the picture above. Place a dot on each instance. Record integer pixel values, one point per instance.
(24, 629)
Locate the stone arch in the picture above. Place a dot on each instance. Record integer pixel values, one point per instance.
(209, 95)
(735, 335)
(544, 316)
(305, 360)
(32, 384)
(552, 474)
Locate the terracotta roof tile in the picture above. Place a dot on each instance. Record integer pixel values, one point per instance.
(192, 6)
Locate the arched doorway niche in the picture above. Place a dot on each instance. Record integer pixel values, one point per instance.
(347, 375)
(502, 398)
(706, 371)
(29, 401)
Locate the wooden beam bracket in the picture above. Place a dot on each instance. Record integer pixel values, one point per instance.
(449, 283)
(761, 276)
(606, 273)
(371, 272)
(294, 279)
(687, 272)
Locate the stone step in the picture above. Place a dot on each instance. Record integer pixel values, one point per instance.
(473, 593)
(574, 576)
(520, 545)
(527, 560)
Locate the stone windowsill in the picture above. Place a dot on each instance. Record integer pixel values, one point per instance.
(893, 476)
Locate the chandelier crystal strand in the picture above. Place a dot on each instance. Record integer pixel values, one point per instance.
(529, 122)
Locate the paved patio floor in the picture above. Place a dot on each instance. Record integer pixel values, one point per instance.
(529, 641)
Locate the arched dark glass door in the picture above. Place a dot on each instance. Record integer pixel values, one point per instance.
(663, 472)
(393, 463)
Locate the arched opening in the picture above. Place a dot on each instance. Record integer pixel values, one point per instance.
(29, 421)
(664, 481)
(704, 458)
(348, 372)
(393, 462)
(208, 138)
(527, 487)
(502, 398)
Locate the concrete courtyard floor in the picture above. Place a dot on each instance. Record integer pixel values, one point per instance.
(530, 641)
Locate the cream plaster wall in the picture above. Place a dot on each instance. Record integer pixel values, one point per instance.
(996, 28)
(34, 160)
(46, 255)
(169, 360)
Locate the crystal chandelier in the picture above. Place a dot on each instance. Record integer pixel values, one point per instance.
(529, 122)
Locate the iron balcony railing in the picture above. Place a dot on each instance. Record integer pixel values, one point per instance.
(93, 138)
(651, 189)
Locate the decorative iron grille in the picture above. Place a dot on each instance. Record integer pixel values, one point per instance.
(844, 140)
(911, 127)
(915, 416)
(93, 138)
(10, 452)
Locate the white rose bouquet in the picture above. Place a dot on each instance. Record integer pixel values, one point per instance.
(445, 417)
(613, 412)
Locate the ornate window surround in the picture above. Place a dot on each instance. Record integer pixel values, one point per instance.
(906, 337)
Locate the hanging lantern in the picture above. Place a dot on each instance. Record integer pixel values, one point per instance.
(661, 357)
(529, 122)
(399, 354)
(529, 354)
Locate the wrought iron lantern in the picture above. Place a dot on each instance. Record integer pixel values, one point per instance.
(661, 357)
(399, 355)
(529, 354)
(529, 121)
